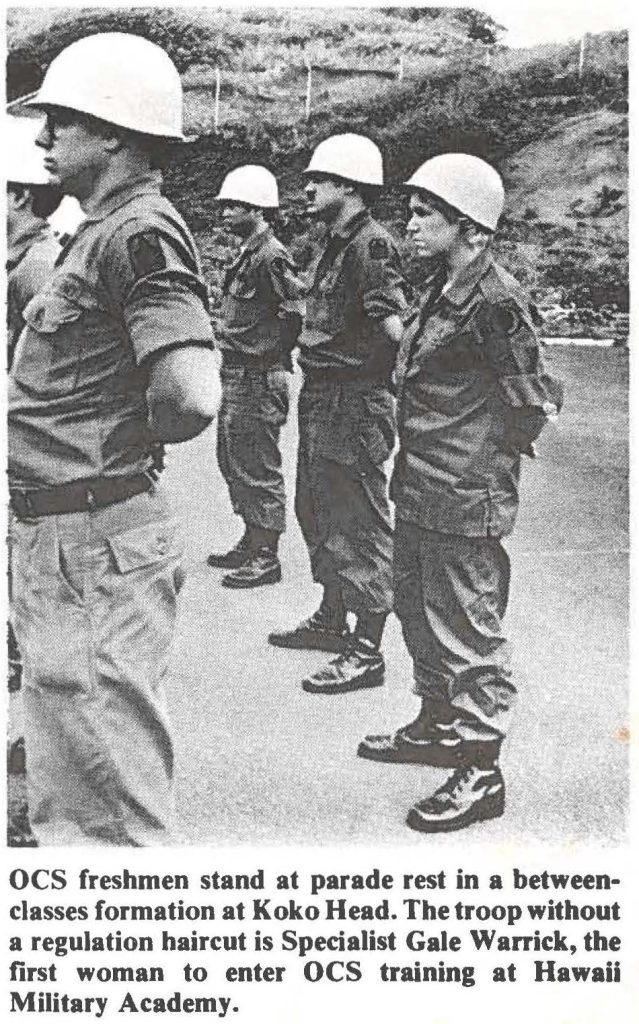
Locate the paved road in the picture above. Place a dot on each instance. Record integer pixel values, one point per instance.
(260, 761)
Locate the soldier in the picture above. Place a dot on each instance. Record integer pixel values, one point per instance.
(31, 253)
(261, 320)
(472, 398)
(346, 417)
(114, 361)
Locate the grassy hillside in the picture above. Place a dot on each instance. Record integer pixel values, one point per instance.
(559, 140)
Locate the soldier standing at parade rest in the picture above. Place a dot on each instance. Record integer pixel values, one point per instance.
(347, 417)
(472, 398)
(260, 322)
(115, 360)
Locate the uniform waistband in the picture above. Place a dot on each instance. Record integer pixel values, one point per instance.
(79, 495)
(240, 361)
(347, 375)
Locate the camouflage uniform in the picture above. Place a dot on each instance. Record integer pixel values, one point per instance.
(347, 416)
(95, 588)
(472, 397)
(261, 317)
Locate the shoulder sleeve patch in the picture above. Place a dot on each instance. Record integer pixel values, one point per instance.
(146, 254)
(378, 249)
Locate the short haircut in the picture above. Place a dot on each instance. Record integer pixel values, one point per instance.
(452, 215)
(369, 194)
(157, 150)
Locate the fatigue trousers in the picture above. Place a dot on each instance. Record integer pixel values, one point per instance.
(451, 593)
(346, 433)
(254, 408)
(93, 606)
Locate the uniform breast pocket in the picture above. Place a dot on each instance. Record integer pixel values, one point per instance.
(59, 322)
(241, 304)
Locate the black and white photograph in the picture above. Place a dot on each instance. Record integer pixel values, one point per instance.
(318, 337)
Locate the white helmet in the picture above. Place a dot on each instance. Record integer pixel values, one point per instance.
(250, 184)
(349, 156)
(120, 78)
(466, 183)
(24, 160)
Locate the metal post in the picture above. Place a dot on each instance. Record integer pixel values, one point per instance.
(400, 70)
(217, 99)
(309, 76)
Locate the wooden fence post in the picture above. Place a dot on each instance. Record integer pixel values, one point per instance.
(309, 83)
(582, 54)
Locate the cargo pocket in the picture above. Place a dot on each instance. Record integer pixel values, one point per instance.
(136, 601)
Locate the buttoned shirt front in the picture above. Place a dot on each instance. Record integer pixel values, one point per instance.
(357, 282)
(472, 395)
(127, 286)
(262, 293)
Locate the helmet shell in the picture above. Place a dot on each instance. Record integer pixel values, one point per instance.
(468, 184)
(120, 78)
(251, 184)
(349, 156)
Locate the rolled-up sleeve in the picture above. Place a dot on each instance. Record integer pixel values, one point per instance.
(152, 277)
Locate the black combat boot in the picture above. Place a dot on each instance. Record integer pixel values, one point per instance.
(262, 566)
(359, 667)
(237, 555)
(431, 739)
(325, 630)
(474, 792)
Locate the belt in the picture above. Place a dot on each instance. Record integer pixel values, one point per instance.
(79, 496)
(346, 375)
(260, 364)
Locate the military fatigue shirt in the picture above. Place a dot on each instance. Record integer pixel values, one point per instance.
(30, 259)
(126, 287)
(472, 395)
(357, 282)
(263, 302)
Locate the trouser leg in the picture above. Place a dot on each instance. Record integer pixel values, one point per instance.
(254, 408)
(94, 612)
(451, 596)
(343, 511)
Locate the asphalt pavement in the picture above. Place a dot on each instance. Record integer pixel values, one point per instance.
(262, 762)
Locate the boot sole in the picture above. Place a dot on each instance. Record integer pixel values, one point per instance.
(365, 683)
(333, 646)
(493, 807)
(433, 758)
(263, 581)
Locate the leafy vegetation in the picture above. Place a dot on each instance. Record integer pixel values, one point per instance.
(527, 112)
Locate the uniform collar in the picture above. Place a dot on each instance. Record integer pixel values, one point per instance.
(121, 194)
(351, 225)
(256, 240)
(462, 288)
